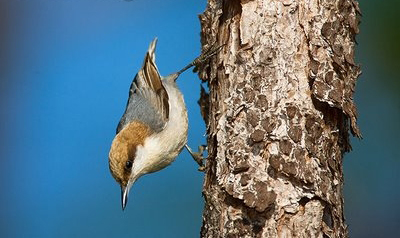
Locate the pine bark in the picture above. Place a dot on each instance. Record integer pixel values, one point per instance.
(278, 115)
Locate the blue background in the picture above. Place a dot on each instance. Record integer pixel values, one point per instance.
(66, 67)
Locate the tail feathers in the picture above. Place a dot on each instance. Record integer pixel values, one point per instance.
(152, 49)
(149, 76)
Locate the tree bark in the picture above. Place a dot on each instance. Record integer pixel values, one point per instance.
(278, 115)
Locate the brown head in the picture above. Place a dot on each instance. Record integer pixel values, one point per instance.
(123, 153)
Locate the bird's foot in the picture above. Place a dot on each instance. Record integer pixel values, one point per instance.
(198, 156)
(207, 54)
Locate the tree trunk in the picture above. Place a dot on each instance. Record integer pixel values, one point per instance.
(278, 115)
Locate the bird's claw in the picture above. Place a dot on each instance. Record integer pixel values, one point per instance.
(198, 156)
(207, 54)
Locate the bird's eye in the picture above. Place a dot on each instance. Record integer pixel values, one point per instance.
(128, 164)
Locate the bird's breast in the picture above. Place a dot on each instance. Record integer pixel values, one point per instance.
(174, 135)
(162, 148)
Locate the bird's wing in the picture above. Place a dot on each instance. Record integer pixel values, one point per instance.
(148, 99)
(149, 83)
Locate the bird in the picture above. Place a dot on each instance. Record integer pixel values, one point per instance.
(153, 129)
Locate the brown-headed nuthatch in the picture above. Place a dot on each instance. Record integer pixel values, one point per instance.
(153, 129)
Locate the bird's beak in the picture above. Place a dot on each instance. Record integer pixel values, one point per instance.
(125, 193)
(124, 196)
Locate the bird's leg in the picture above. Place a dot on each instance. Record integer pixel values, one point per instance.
(198, 156)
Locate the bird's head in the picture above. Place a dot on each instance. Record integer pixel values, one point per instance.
(123, 154)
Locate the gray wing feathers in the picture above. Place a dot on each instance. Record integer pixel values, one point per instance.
(138, 108)
(155, 100)
(148, 99)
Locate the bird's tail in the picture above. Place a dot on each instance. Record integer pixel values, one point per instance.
(152, 49)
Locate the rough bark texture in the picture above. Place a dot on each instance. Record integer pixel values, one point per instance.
(279, 111)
